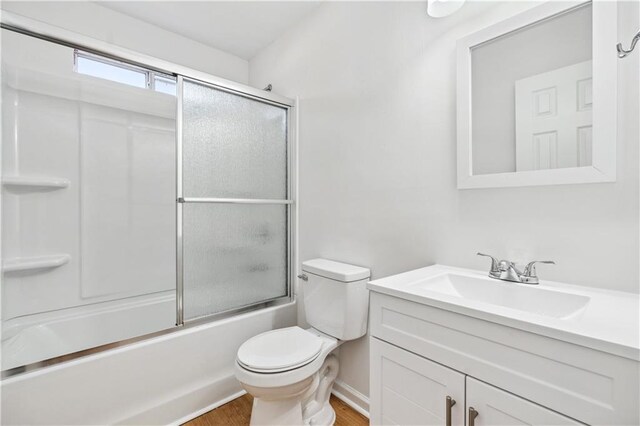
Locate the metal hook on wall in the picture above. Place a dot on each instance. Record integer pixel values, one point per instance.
(622, 52)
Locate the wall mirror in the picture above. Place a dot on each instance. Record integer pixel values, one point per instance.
(534, 105)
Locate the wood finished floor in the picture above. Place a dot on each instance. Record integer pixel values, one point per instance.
(238, 413)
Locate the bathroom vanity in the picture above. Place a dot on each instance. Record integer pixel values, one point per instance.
(452, 346)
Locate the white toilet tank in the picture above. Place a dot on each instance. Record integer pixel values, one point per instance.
(336, 299)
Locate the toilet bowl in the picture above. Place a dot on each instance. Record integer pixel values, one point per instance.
(290, 371)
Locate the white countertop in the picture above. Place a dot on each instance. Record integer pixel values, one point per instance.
(609, 322)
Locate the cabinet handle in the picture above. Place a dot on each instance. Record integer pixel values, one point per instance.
(449, 402)
(472, 416)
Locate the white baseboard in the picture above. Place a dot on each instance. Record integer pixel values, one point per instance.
(351, 397)
(187, 405)
(208, 408)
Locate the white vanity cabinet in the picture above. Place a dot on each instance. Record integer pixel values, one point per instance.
(410, 390)
(495, 407)
(407, 389)
(420, 354)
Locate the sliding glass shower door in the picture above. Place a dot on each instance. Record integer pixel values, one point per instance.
(105, 164)
(233, 202)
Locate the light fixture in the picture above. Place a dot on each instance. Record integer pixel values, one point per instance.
(442, 8)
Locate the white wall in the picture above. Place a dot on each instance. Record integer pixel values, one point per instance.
(377, 151)
(93, 20)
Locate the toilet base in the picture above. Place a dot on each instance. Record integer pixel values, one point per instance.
(303, 403)
(289, 413)
(326, 416)
(283, 412)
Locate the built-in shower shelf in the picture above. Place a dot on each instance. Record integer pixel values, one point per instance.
(35, 182)
(34, 262)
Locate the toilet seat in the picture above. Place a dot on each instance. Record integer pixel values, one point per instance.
(291, 375)
(279, 350)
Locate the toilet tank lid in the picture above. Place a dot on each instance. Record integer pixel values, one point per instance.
(335, 270)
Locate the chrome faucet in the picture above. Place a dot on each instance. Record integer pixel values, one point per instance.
(507, 271)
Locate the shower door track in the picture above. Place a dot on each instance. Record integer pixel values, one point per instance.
(57, 35)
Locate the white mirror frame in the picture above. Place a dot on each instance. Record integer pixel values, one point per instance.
(605, 70)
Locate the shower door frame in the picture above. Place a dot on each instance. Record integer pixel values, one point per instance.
(61, 36)
(182, 200)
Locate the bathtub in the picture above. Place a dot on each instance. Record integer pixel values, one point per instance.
(39, 337)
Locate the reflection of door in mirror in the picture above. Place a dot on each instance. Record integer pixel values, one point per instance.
(539, 53)
(554, 119)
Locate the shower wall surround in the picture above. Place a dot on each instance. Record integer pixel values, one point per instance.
(379, 90)
(108, 231)
(116, 151)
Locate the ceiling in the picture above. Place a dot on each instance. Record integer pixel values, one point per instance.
(241, 28)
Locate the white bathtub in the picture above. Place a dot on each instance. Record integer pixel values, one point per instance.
(38, 337)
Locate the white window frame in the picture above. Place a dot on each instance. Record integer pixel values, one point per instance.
(149, 74)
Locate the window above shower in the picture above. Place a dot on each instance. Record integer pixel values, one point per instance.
(122, 72)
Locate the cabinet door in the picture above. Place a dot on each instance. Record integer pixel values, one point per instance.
(410, 390)
(496, 407)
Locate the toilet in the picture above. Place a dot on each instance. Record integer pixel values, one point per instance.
(290, 371)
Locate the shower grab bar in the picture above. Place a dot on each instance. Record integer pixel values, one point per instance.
(16, 264)
(35, 182)
(232, 201)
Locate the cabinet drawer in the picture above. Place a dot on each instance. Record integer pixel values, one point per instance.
(591, 386)
(409, 390)
(496, 407)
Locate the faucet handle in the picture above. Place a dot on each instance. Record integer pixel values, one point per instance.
(530, 269)
(495, 268)
(529, 275)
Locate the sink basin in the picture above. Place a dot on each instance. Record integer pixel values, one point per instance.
(521, 297)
